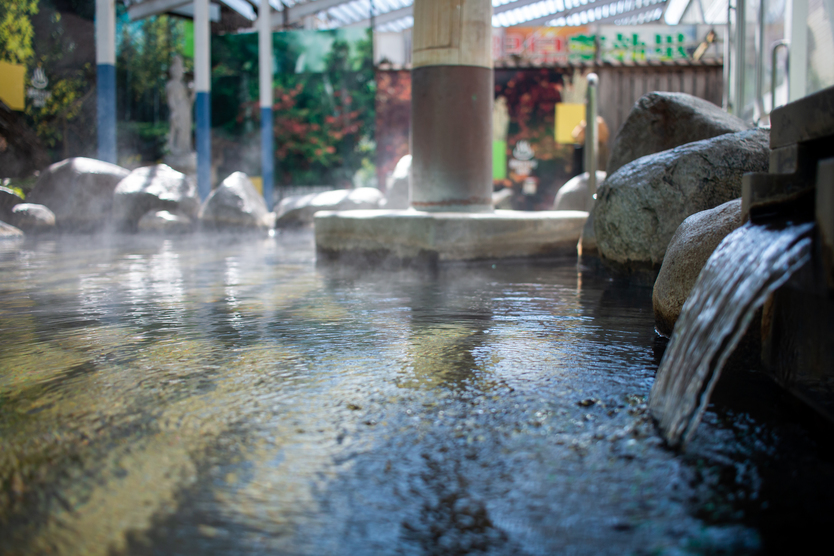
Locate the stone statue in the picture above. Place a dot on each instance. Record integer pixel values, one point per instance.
(180, 101)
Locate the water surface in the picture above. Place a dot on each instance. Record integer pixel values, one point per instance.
(226, 396)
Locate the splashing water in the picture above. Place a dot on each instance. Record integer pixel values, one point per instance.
(747, 266)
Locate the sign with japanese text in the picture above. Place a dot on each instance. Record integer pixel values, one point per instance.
(546, 46)
(535, 46)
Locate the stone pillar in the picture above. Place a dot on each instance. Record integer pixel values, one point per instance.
(106, 79)
(265, 78)
(451, 108)
(202, 78)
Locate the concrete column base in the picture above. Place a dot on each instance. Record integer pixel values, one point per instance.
(411, 235)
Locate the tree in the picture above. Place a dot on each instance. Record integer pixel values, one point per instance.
(144, 52)
(323, 121)
(393, 120)
(16, 30)
(65, 52)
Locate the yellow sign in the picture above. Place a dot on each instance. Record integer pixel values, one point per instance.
(11, 85)
(568, 116)
(258, 182)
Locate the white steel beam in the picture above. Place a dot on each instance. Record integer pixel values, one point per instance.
(381, 19)
(153, 7)
(297, 12)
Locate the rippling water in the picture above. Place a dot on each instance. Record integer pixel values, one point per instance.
(227, 396)
(749, 264)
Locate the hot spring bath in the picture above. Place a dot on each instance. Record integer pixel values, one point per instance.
(215, 395)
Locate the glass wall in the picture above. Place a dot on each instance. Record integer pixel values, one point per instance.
(799, 33)
(820, 45)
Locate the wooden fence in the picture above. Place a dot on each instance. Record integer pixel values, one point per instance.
(622, 85)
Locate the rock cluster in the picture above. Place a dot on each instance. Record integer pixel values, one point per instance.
(79, 191)
(153, 188)
(31, 217)
(86, 195)
(574, 195)
(236, 204)
(299, 210)
(672, 193)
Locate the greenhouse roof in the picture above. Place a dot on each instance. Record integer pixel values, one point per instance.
(396, 15)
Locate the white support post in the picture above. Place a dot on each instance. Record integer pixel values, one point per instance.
(798, 64)
(591, 134)
(265, 80)
(106, 79)
(202, 78)
(740, 41)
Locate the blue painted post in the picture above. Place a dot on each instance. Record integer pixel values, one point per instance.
(265, 78)
(106, 79)
(202, 78)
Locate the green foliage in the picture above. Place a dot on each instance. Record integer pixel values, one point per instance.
(16, 30)
(141, 141)
(21, 186)
(71, 81)
(67, 96)
(144, 54)
(323, 120)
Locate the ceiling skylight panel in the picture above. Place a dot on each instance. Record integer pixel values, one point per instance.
(339, 13)
(355, 12)
(360, 9)
(348, 12)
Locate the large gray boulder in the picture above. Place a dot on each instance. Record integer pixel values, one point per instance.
(574, 194)
(164, 222)
(235, 204)
(662, 121)
(501, 199)
(79, 191)
(397, 186)
(8, 200)
(299, 210)
(7, 231)
(152, 188)
(31, 217)
(691, 246)
(641, 205)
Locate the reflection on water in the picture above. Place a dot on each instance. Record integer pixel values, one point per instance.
(227, 396)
